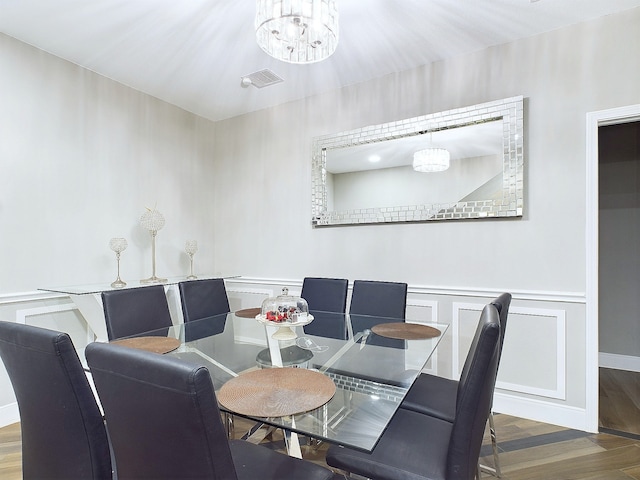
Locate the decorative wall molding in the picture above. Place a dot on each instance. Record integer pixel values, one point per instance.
(559, 392)
(433, 306)
(453, 291)
(455, 330)
(619, 362)
(541, 411)
(22, 297)
(457, 291)
(21, 315)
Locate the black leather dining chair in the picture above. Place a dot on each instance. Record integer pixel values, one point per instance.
(435, 396)
(382, 299)
(202, 299)
(133, 311)
(164, 422)
(325, 294)
(63, 434)
(327, 301)
(374, 302)
(418, 446)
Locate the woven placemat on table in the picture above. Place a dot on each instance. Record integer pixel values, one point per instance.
(249, 312)
(405, 331)
(150, 344)
(276, 392)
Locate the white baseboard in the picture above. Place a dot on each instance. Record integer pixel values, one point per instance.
(9, 414)
(619, 362)
(541, 411)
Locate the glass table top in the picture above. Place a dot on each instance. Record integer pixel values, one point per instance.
(103, 287)
(372, 373)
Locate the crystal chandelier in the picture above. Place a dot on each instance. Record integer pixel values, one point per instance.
(297, 31)
(431, 160)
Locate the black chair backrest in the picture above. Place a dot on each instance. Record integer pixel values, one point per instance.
(63, 434)
(203, 298)
(475, 392)
(502, 303)
(382, 299)
(502, 306)
(133, 311)
(327, 300)
(162, 415)
(325, 294)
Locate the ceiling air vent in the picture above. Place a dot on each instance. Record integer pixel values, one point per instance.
(261, 79)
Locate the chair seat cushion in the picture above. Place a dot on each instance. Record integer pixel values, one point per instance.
(253, 461)
(432, 395)
(413, 447)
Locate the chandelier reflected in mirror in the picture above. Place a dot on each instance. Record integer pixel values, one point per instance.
(297, 31)
(431, 160)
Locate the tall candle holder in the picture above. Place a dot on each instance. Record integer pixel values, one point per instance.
(153, 221)
(118, 245)
(191, 247)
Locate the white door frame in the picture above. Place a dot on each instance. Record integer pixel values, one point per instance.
(595, 120)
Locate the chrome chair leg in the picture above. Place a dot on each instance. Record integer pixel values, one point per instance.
(496, 471)
(227, 419)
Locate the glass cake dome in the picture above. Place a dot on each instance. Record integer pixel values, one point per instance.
(285, 308)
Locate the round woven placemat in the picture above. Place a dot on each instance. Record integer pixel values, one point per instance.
(249, 312)
(276, 392)
(150, 344)
(405, 331)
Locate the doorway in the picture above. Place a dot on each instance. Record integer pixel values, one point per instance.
(619, 277)
(595, 120)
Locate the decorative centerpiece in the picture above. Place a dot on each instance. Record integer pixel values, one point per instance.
(153, 221)
(118, 245)
(285, 311)
(191, 247)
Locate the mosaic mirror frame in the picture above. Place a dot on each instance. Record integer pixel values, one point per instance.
(509, 202)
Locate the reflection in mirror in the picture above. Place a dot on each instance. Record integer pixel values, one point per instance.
(380, 174)
(366, 175)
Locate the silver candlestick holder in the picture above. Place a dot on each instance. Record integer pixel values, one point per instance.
(153, 221)
(118, 245)
(191, 247)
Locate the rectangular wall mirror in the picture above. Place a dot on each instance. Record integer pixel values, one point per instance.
(368, 175)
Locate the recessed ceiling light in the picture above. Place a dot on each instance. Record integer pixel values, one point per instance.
(374, 158)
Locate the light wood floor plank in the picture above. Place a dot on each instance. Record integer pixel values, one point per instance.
(583, 467)
(619, 397)
(633, 472)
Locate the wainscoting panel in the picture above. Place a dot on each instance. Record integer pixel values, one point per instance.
(425, 311)
(534, 353)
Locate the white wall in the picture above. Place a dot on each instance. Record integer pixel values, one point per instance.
(561, 75)
(81, 157)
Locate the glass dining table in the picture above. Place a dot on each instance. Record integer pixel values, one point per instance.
(371, 361)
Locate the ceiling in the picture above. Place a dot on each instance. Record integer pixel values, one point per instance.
(193, 54)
